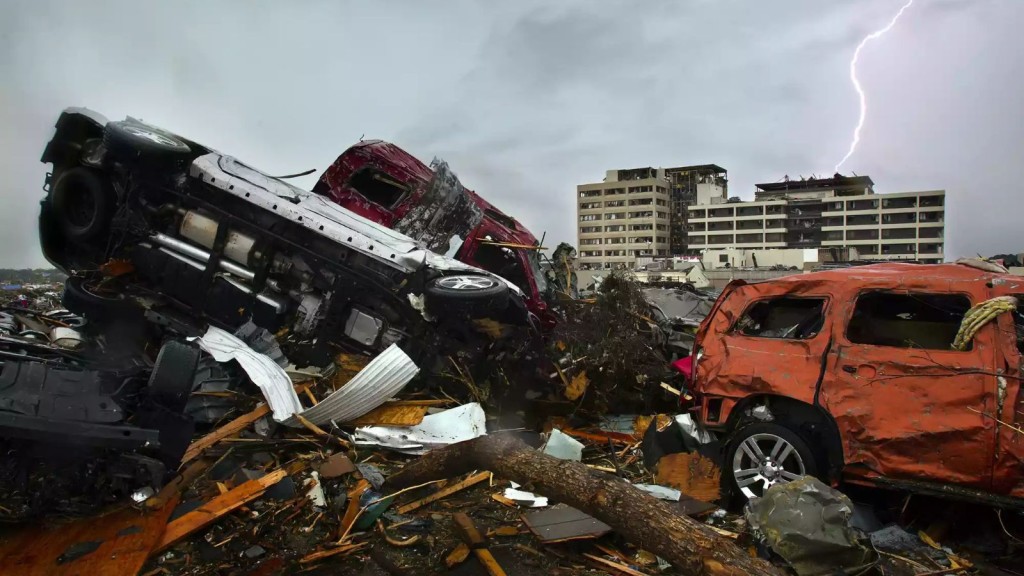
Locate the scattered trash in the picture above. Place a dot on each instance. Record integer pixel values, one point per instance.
(524, 498)
(563, 446)
(441, 429)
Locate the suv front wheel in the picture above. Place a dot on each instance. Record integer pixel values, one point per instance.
(762, 455)
(473, 295)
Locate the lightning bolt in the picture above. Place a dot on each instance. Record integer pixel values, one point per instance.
(856, 83)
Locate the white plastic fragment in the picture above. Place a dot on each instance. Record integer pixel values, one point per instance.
(447, 427)
(689, 428)
(316, 490)
(271, 378)
(524, 498)
(563, 446)
(662, 492)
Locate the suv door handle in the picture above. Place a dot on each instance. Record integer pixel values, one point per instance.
(850, 369)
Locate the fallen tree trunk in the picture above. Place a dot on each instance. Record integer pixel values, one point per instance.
(645, 521)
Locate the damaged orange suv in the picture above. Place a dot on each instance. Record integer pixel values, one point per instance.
(851, 375)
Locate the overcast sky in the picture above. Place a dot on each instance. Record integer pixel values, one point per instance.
(527, 99)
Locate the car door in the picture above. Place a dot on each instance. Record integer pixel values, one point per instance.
(762, 339)
(907, 405)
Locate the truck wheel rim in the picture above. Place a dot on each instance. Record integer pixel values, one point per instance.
(763, 460)
(466, 283)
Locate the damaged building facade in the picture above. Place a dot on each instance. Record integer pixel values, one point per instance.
(838, 212)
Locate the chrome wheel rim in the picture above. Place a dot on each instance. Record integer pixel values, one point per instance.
(467, 283)
(763, 460)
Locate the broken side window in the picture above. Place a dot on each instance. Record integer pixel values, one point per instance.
(783, 317)
(907, 320)
(377, 187)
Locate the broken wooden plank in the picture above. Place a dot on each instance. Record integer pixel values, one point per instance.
(229, 429)
(214, 509)
(615, 565)
(471, 536)
(320, 431)
(109, 545)
(444, 492)
(352, 511)
(392, 415)
(562, 523)
(344, 549)
(177, 484)
(501, 499)
(457, 556)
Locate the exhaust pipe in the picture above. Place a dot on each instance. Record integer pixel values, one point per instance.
(202, 255)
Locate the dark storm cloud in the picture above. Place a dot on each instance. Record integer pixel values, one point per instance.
(526, 100)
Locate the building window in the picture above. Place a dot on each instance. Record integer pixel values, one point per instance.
(590, 229)
(590, 217)
(589, 205)
(907, 320)
(614, 203)
(589, 193)
(783, 317)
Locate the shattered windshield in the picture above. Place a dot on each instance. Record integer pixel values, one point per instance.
(538, 273)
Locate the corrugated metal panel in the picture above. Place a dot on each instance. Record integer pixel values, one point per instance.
(381, 379)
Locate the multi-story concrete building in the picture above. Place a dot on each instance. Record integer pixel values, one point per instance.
(623, 217)
(689, 185)
(826, 212)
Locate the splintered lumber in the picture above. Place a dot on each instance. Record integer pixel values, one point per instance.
(457, 556)
(177, 484)
(614, 565)
(320, 431)
(471, 535)
(316, 556)
(214, 509)
(650, 523)
(444, 492)
(229, 429)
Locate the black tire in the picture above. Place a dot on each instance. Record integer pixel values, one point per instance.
(134, 142)
(83, 203)
(81, 300)
(732, 492)
(474, 295)
(170, 382)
